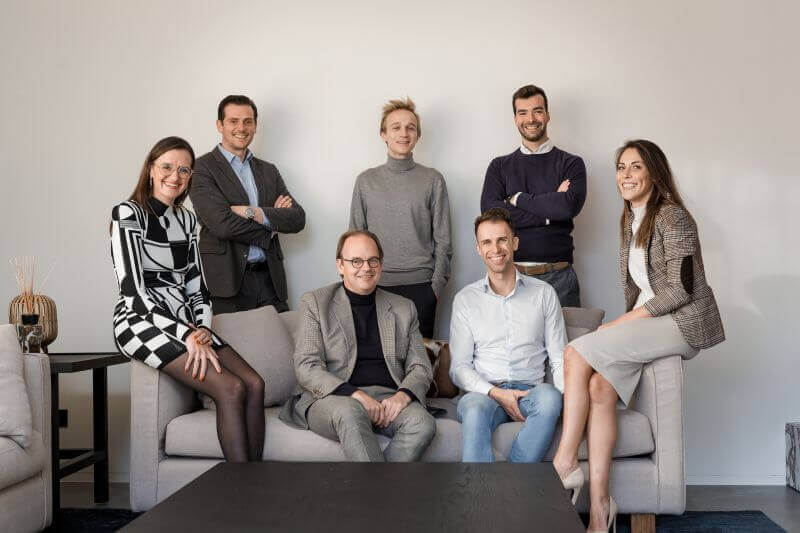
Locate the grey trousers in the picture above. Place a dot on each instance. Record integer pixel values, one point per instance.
(344, 419)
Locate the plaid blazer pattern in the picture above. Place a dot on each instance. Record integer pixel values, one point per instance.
(677, 277)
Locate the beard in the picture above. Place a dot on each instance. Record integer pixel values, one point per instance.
(536, 137)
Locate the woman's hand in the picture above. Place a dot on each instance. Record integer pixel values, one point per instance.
(202, 336)
(199, 355)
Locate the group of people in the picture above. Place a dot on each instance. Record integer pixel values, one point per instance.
(359, 354)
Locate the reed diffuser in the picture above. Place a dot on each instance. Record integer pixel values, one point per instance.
(33, 313)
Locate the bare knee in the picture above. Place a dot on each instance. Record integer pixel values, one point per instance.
(601, 391)
(573, 358)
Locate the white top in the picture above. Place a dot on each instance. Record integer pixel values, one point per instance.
(496, 339)
(636, 265)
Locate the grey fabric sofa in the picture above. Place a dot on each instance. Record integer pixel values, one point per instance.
(25, 473)
(174, 440)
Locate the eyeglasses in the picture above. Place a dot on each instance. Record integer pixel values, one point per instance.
(357, 262)
(167, 170)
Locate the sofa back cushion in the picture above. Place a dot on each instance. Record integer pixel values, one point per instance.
(261, 338)
(16, 421)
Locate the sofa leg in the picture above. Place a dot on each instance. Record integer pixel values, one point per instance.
(643, 523)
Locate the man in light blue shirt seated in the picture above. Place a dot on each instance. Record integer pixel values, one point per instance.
(503, 329)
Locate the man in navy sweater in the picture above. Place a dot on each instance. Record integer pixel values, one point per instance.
(543, 188)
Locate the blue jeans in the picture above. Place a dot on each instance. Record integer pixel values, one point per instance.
(480, 415)
(565, 282)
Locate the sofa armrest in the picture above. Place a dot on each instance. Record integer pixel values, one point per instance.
(156, 399)
(36, 373)
(660, 398)
(36, 369)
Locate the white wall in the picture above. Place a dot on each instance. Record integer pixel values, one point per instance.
(89, 86)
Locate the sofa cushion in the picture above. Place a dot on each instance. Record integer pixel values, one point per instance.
(195, 435)
(261, 338)
(18, 464)
(16, 421)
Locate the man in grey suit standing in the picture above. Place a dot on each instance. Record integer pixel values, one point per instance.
(242, 203)
(360, 361)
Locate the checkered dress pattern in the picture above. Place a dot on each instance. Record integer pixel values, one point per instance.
(162, 294)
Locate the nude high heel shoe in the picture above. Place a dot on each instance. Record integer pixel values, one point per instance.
(574, 482)
(611, 523)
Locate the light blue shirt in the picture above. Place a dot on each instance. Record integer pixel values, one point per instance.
(245, 174)
(496, 339)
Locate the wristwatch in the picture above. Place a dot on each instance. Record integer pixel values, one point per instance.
(250, 213)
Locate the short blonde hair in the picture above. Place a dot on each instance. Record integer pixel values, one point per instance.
(395, 105)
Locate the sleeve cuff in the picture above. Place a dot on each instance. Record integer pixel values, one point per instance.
(410, 394)
(345, 389)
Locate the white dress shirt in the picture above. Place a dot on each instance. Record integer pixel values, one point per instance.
(496, 339)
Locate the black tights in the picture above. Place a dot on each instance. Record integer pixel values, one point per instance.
(238, 393)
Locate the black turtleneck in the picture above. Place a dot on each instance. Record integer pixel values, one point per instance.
(370, 366)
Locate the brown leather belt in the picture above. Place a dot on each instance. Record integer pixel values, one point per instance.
(537, 270)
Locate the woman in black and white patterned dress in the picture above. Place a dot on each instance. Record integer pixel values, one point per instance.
(163, 315)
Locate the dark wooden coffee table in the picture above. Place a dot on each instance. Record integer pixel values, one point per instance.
(363, 497)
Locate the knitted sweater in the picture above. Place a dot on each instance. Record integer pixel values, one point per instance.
(543, 217)
(405, 204)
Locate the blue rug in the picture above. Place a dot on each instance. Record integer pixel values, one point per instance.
(108, 520)
(706, 522)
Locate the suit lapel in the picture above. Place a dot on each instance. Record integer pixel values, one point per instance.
(343, 314)
(230, 177)
(386, 323)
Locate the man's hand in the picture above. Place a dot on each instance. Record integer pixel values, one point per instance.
(240, 209)
(374, 409)
(509, 401)
(392, 407)
(283, 201)
(563, 187)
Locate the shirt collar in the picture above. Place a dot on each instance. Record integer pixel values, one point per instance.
(488, 288)
(543, 148)
(229, 157)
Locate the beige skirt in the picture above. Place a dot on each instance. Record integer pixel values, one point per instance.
(618, 353)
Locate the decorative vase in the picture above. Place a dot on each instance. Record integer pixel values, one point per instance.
(43, 306)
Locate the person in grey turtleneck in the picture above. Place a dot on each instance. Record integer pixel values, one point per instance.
(406, 205)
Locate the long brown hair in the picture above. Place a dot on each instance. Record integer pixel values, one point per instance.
(144, 188)
(665, 190)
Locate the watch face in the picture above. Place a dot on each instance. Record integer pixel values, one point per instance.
(249, 212)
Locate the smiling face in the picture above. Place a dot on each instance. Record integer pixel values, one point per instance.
(633, 179)
(531, 118)
(401, 133)
(237, 128)
(171, 174)
(361, 280)
(496, 246)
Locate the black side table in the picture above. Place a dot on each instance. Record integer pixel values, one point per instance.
(78, 459)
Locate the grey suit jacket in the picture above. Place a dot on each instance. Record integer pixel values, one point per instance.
(325, 349)
(676, 275)
(225, 237)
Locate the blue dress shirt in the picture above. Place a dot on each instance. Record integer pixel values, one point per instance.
(245, 174)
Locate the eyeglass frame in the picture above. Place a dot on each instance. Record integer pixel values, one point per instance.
(176, 170)
(369, 261)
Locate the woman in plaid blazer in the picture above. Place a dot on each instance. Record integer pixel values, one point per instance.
(670, 309)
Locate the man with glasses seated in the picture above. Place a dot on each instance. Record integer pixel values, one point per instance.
(242, 203)
(360, 361)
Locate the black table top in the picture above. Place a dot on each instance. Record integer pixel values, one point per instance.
(364, 497)
(66, 362)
